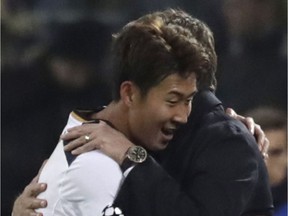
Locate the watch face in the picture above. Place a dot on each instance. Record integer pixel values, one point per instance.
(137, 154)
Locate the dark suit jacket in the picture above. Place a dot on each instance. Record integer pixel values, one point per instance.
(214, 166)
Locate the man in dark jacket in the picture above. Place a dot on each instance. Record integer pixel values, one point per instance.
(216, 164)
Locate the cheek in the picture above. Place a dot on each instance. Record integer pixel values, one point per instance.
(151, 115)
(161, 114)
(190, 109)
(277, 164)
(142, 119)
(154, 111)
(149, 121)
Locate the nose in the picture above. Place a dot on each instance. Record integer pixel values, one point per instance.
(182, 113)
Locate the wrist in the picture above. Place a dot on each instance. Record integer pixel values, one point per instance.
(122, 156)
(126, 146)
(133, 156)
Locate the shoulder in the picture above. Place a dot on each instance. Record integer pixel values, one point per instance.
(218, 124)
(90, 175)
(224, 135)
(93, 163)
(214, 132)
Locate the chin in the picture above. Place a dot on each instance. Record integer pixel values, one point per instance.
(155, 146)
(161, 146)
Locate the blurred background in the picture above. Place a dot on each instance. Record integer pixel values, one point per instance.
(55, 58)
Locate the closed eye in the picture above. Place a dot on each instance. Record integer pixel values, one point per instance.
(173, 102)
(189, 101)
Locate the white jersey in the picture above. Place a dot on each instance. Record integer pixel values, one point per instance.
(82, 185)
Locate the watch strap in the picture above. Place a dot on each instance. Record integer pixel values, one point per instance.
(126, 164)
(133, 156)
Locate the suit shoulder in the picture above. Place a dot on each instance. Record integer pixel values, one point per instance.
(220, 130)
(219, 123)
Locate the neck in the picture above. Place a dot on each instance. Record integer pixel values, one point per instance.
(116, 113)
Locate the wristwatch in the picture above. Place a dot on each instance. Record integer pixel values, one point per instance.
(134, 155)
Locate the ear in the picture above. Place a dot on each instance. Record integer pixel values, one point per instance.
(128, 92)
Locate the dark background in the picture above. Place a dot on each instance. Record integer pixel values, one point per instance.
(55, 59)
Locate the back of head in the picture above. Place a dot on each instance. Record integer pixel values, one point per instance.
(269, 118)
(159, 44)
(274, 123)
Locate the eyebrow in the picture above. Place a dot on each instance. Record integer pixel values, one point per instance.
(181, 95)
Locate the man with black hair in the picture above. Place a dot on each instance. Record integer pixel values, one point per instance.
(214, 160)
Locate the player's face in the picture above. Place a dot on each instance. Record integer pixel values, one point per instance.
(154, 118)
(277, 162)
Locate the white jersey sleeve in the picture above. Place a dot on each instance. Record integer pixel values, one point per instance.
(89, 184)
(81, 186)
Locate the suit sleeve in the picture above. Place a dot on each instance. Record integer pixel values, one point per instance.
(226, 178)
(149, 190)
(220, 181)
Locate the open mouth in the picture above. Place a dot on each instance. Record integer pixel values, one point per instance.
(168, 132)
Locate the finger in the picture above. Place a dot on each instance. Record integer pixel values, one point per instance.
(33, 189)
(72, 134)
(75, 144)
(30, 212)
(86, 127)
(231, 112)
(76, 128)
(36, 214)
(265, 148)
(82, 130)
(94, 121)
(34, 203)
(35, 179)
(26, 206)
(249, 122)
(84, 148)
(27, 213)
(76, 132)
(266, 144)
(260, 136)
